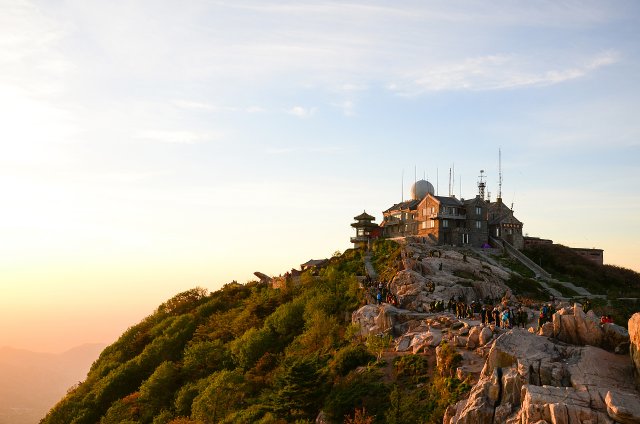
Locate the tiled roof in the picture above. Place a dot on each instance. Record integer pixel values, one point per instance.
(364, 216)
(449, 201)
(409, 204)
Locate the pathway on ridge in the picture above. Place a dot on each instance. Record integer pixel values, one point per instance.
(368, 267)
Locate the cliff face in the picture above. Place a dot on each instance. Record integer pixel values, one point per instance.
(528, 378)
(634, 334)
(572, 370)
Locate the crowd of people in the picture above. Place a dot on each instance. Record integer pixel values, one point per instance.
(489, 311)
(379, 291)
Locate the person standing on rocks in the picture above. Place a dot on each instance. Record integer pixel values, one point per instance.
(496, 316)
(522, 317)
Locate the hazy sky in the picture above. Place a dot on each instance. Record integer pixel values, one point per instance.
(147, 147)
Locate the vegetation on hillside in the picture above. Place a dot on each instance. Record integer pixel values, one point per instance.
(386, 258)
(253, 354)
(617, 283)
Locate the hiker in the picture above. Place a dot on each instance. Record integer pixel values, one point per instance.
(495, 314)
(483, 315)
(523, 317)
(586, 307)
(379, 297)
(505, 318)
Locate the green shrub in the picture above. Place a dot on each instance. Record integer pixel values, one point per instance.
(350, 358)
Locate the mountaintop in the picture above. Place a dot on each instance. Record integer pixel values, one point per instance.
(320, 346)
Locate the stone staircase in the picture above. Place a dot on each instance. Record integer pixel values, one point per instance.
(543, 277)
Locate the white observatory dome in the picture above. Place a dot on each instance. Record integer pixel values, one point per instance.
(420, 189)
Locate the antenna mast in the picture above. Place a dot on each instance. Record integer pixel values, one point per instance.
(481, 184)
(453, 181)
(499, 173)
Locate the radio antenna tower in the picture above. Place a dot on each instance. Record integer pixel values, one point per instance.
(499, 173)
(481, 184)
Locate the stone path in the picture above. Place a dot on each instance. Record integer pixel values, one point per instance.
(368, 266)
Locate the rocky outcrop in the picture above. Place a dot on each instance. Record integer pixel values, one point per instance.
(623, 407)
(527, 379)
(264, 278)
(431, 274)
(634, 348)
(376, 319)
(572, 325)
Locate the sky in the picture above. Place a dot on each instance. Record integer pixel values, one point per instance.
(149, 147)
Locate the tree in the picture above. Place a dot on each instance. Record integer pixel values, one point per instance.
(223, 394)
(247, 349)
(298, 388)
(157, 392)
(377, 344)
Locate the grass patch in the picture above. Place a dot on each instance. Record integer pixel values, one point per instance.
(527, 288)
(386, 258)
(566, 265)
(516, 266)
(566, 291)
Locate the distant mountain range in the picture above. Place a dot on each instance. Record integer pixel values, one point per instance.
(31, 383)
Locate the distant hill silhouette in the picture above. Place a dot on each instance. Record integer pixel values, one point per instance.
(31, 382)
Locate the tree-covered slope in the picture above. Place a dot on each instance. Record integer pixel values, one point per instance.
(254, 354)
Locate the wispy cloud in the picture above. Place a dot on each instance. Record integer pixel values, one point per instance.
(302, 112)
(203, 106)
(177, 137)
(347, 107)
(496, 72)
(306, 149)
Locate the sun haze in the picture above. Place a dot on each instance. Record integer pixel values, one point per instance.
(150, 147)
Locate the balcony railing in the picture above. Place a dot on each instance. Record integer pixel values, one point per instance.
(359, 239)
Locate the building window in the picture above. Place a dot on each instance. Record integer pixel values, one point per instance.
(445, 223)
(478, 210)
(433, 210)
(424, 224)
(465, 239)
(479, 225)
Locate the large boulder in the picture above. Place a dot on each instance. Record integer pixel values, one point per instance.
(485, 336)
(385, 318)
(421, 341)
(623, 407)
(410, 288)
(614, 336)
(634, 348)
(558, 405)
(572, 325)
(474, 337)
(545, 380)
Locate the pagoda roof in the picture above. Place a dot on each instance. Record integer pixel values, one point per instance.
(364, 216)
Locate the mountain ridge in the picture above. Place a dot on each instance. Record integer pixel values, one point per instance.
(254, 353)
